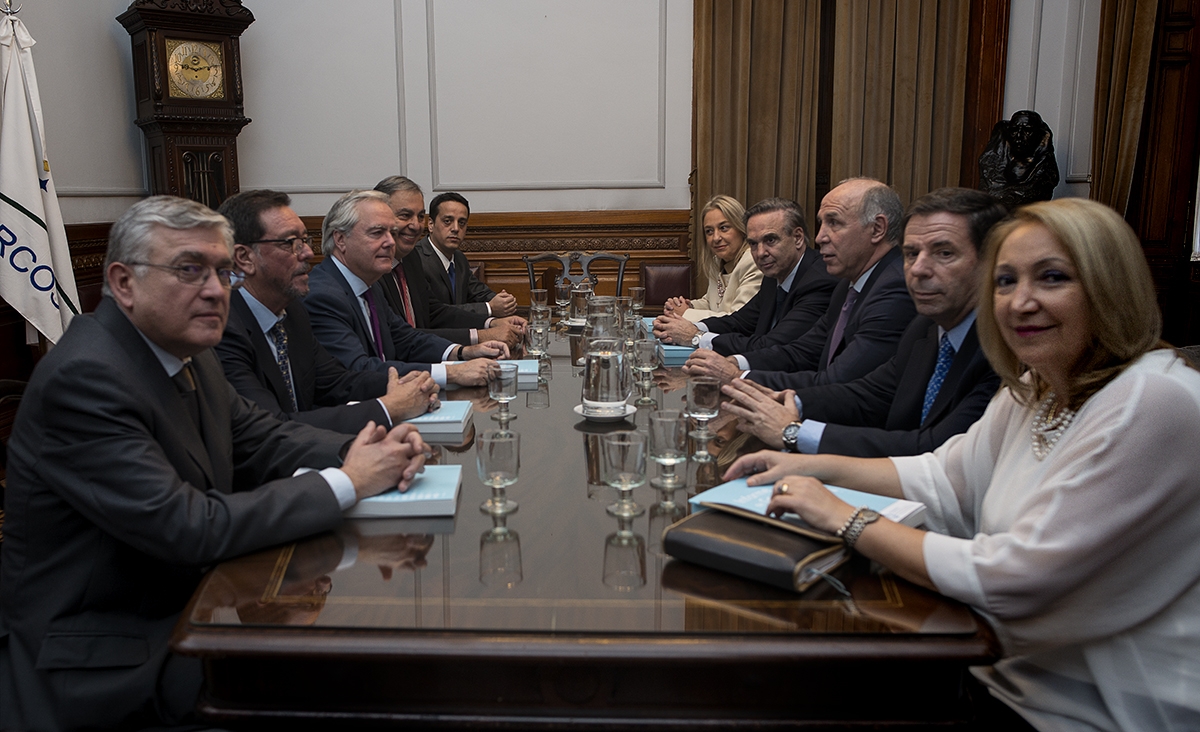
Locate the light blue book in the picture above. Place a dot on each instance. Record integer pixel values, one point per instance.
(433, 493)
(449, 419)
(527, 371)
(755, 498)
(674, 355)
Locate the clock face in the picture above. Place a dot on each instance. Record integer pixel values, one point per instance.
(194, 70)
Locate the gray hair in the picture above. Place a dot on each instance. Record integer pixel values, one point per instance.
(396, 183)
(880, 199)
(132, 235)
(344, 216)
(794, 214)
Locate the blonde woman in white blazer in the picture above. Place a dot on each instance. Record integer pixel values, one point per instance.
(733, 278)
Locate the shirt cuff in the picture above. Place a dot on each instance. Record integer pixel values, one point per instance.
(386, 416)
(707, 339)
(808, 439)
(342, 486)
(742, 363)
(701, 327)
(475, 336)
(488, 323)
(438, 372)
(449, 350)
(489, 306)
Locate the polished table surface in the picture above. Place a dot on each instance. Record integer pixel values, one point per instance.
(556, 620)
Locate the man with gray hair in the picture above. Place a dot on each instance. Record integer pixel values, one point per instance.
(861, 329)
(407, 291)
(133, 466)
(349, 311)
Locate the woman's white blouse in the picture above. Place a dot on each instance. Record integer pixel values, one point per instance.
(1088, 562)
(740, 286)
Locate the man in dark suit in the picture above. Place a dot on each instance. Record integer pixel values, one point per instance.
(407, 291)
(795, 289)
(269, 352)
(133, 466)
(346, 303)
(446, 269)
(938, 383)
(869, 310)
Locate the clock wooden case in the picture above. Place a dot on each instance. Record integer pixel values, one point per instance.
(188, 86)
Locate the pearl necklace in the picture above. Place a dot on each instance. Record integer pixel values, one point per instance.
(1048, 426)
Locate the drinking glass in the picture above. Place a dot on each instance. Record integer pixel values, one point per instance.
(579, 303)
(562, 296)
(502, 387)
(637, 298)
(645, 360)
(704, 397)
(538, 399)
(498, 459)
(623, 456)
(668, 447)
(539, 297)
(500, 555)
(537, 339)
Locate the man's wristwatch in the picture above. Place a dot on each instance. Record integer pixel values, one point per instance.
(790, 432)
(854, 527)
(696, 341)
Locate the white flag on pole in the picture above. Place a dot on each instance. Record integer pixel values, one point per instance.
(35, 264)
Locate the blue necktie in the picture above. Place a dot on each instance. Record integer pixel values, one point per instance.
(944, 359)
(450, 271)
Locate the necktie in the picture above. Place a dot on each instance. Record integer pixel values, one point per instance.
(279, 336)
(944, 359)
(185, 382)
(370, 298)
(453, 288)
(402, 283)
(780, 295)
(840, 328)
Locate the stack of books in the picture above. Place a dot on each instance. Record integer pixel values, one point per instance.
(668, 355)
(448, 425)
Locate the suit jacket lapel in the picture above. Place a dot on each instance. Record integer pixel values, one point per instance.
(880, 267)
(240, 312)
(910, 389)
(218, 442)
(767, 314)
(361, 328)
(177, 423)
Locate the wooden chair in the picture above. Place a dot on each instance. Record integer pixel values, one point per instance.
(564, 261)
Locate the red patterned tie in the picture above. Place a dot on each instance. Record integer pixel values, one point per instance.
(402, 282)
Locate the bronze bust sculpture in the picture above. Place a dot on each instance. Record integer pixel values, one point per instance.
(1018, 166)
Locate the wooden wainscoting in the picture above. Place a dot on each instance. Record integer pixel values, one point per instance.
(499, 239)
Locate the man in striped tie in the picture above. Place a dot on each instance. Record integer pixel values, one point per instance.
(938, 383)
(268, 350)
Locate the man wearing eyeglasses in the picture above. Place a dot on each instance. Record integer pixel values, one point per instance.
(134, 465)
(269, 352)
(349, 311)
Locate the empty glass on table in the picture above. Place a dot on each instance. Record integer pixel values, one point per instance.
(498, 460)
(703, 401)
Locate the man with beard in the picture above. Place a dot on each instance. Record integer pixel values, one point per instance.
(268, 350)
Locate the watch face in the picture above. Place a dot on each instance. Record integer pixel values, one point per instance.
(789, 434)
(194, 70)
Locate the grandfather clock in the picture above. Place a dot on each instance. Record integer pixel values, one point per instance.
(188, 82)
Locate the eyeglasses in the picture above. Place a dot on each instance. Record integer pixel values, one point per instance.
(194, 274)
(292, 243)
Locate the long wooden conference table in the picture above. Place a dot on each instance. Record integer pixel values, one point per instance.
(555, 620)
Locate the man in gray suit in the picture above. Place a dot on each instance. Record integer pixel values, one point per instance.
(133, 466)
(446, 268)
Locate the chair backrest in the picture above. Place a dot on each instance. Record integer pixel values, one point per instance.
(584, 260)
(664, 280)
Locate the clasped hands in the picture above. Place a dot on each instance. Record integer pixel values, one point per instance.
(761, 411)
(380, 459)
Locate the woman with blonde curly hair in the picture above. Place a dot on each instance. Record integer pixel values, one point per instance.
(1068, 514)
(725, 262)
